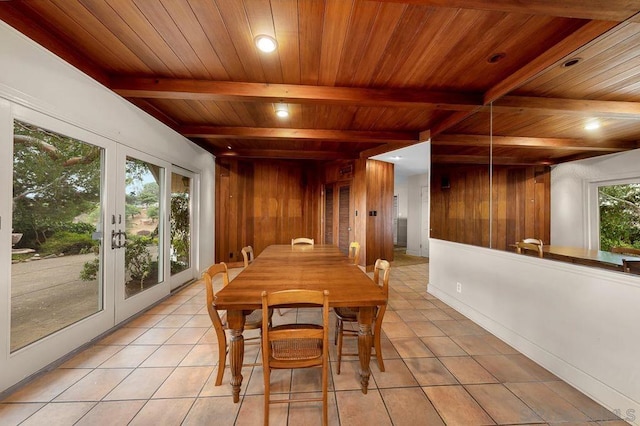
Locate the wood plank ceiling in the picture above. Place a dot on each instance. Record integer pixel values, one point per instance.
(363, 77)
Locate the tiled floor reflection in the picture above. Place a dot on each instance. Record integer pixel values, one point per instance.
(441, 368)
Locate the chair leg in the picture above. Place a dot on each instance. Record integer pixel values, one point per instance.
(325, 400)
(340, 335)
(377, 331)
(267, 393)
(335, 335)
(222, 361)
(279, 312)
(378, 348)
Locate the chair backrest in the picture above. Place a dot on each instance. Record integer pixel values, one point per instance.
(626, 250)
(354, 252)
(297, 334)
(383, 266)
(532, 244)
(247, 255)
(631, 266)
(208, 276)
(301, 240)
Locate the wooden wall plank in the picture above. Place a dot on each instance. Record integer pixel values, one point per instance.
(520, 204)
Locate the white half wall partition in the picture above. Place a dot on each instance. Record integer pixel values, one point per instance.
(580, 323)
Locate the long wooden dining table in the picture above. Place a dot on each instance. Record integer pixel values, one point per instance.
(314, 267)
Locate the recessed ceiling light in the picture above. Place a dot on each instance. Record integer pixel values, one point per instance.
(592, 125)
(229, 147)
(396, 157)
(571, 62)
(266, 43)
(496, 57)
(282, 110)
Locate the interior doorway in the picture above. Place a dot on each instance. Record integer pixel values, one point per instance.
(338, 220)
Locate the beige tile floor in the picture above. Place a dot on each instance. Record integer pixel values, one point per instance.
(441, 368)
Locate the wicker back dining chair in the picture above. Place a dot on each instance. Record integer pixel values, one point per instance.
(290, 346)
(302, 240)
(252, 321)
(382, 267)
(354, 252)
(531, 244)
(247, 255)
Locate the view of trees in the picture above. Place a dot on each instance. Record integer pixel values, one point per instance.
(56, 179)
(619, 216)
(57, 183)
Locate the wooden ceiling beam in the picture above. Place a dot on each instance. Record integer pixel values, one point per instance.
(610, 10)
(214, 132)
(284, 154)
(534, 143)
(164, 88)
(383, 149)
(573, 107)
(484, 159)
(451, 121)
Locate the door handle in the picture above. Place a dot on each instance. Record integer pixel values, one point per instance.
(122, 239)
(114, 244)
(118, 239)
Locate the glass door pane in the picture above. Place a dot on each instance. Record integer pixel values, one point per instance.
(56, 255)
(143, 220)
(180, 222)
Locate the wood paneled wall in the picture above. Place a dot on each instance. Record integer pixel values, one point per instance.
(373, 190)
(379, 200)
(259, 203)
(521, 205)
(460, 212)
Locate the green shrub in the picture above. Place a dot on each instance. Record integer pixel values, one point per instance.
(137, 258)
(67, 243)
(90, 270)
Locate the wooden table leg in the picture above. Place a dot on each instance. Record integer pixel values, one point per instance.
(235, 321)
(365, 339)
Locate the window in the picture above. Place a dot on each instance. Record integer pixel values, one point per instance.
(619, 212)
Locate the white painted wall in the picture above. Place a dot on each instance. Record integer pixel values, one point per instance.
(400, 189)
(570, 201)
(580, 323)
(415, 214)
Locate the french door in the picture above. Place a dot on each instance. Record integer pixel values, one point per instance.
(56, 192)
(89, 225)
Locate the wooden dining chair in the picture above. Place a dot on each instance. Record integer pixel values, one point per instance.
(302, 240)
(252, 321)
(247, 255)
(531, 244)
(626, 250)
(351, 315)
(631, 266)
(290, 346)
(354, 252)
